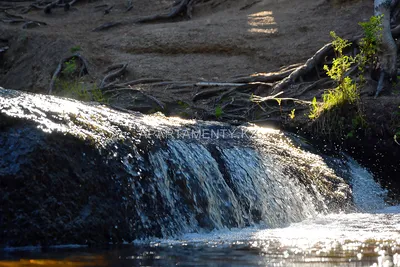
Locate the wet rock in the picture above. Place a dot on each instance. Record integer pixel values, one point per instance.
(86, 174)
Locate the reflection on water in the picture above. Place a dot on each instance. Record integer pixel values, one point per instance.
(359, 239)
(81, 261)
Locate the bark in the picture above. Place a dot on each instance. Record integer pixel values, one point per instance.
(388, 49)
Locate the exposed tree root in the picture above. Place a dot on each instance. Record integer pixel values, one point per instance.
(84, 69)
(107, 25)
(256, 97)
(48, 6)
(116, 70)
(129, 5)
(152, 98)
(16, 19)
(310, 65)
(183, 8)
(108, 10)
(265, 77)
(250, 5)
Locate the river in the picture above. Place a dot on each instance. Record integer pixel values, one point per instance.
(370, 237)
(217, 194)
(357, 239)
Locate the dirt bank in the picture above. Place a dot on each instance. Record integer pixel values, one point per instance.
(232, 38)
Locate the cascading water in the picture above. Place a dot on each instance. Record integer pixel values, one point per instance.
(78, 173)
(367, 193)
(172, 176)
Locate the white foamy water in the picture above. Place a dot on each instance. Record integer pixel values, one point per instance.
(368, 195)
(370, 237)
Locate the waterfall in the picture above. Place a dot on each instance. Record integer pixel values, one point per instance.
(368, 195)
(135, 175)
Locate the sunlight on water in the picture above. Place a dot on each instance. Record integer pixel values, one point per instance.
(257, 179)
(363, 239)
(357, 239)
(368, 194)
(82, 261)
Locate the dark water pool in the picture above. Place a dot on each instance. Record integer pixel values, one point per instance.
(358, 239)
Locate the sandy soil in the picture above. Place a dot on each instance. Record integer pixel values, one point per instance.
(233, 38)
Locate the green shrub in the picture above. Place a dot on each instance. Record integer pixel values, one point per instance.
(346, 90)
(369, 44)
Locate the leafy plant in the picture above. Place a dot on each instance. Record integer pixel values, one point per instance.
(69, 67)
(97, 95)
(314, 109)
(78, 90)
(73, 89)
(346, 90)
(342, 63)
(75, 49)
(369, 44)
(292, 115)
(218, 112)
(356, 123)
(341, 99)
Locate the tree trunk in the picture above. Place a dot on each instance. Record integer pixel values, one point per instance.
(388, 48)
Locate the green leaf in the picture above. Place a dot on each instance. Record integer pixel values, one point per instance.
(218, 112)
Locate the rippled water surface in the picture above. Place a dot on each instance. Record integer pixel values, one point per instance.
(358, 239)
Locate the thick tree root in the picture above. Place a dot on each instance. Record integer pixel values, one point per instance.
(16, 19)
(266, 77)
(310, 65)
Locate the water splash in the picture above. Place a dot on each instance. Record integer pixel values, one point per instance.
(368, 195)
